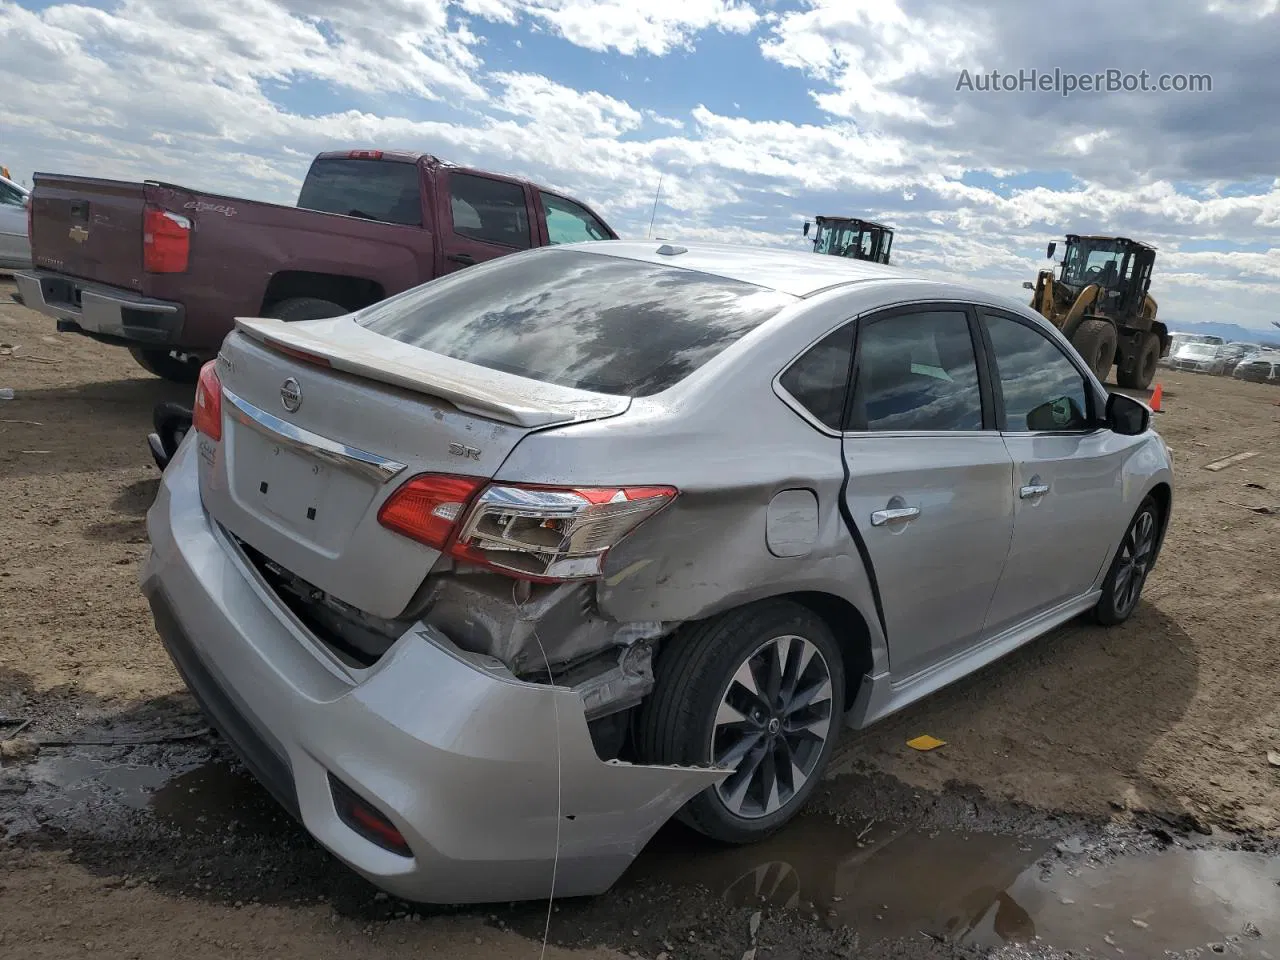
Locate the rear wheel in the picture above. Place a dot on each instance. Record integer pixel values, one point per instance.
(167, 364)
(758, 689)
(1139, 374)
(1129, 569)
(1095, 340)
(306, 308)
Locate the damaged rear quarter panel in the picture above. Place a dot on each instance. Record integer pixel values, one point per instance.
(729, 444)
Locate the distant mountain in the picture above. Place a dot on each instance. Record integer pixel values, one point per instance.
(1228, 331)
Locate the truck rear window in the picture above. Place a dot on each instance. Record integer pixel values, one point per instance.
(385, 190)
(576, 319)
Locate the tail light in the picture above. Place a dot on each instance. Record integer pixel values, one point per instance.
(166, 241)
(365, 155)
(207, 416)
(545, 534)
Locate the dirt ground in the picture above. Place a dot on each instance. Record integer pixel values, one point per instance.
(1174, 712)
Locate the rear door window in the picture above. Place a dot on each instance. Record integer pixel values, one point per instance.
(489, 210)
(576, 319)
(917, 371)
(384, 190)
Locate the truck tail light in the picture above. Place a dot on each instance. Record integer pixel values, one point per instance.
(166, 241)
(365, 155)
(539, 533)
(207, 416)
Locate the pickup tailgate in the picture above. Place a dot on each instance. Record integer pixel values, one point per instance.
(303, 486)
(89, 228)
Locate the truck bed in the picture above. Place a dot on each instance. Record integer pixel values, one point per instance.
(92, 230)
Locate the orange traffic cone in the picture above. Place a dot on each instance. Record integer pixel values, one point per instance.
(1156, 396)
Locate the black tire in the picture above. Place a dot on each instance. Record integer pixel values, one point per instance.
(695, 673)
(172, 422)
(306, 308)
(1146, 359)
(164, 364)
(1095, 340)
(1134, 559)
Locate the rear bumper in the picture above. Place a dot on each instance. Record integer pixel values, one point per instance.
(101, 311)
(464, 760)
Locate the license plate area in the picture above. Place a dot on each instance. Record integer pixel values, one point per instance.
(312, 501)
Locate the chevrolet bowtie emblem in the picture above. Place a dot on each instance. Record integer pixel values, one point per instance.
(78, 233)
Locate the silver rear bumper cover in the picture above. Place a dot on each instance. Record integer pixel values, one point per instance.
(97, 309)
(481, 773)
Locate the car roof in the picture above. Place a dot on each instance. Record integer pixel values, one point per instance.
(800, 273)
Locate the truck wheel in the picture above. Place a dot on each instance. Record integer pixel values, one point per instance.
(1143, 370)
(1096, 342)
(758, 689)
(166, 364)
(306, 308)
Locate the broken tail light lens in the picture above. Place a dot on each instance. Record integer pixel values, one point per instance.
(553, 533)
(207, 415)
(166, 241)
(545, 534)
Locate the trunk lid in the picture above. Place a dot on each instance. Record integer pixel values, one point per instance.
(89, 228)
(304, 486)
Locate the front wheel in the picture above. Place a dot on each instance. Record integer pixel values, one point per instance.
(759, 690)
(1133, 562)
(1096, 340)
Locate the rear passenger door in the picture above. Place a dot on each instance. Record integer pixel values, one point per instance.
(484, 217)
(929, 488)
(1068, 471)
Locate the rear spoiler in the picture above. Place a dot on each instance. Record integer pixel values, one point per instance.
(472, 389)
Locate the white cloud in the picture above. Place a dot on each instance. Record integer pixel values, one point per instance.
(655, 27)
(194, 93)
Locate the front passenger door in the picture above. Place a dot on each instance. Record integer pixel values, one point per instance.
(929, 488)
(1067, 472)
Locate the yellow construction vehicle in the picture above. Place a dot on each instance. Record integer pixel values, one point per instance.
(1100, 302)
(851, 237)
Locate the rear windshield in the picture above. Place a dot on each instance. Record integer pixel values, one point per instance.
(383, 190)
(577, 319)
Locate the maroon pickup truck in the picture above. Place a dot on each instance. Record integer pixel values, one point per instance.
(164, 270)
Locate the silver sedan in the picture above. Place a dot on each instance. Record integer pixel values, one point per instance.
(490, 579)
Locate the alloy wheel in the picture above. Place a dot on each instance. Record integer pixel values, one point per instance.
(1136, 553)
(771, 725)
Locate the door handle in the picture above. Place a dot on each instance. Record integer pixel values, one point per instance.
(466, 259)
(895, 515)
(1033, 490)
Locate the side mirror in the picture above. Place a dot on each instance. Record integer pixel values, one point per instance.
(1127, 416)
(807, 225)
(1051, 250)
(1028, 285)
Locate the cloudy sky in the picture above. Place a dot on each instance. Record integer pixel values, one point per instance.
(757, 113)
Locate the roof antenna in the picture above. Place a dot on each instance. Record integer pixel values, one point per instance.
(655, 206)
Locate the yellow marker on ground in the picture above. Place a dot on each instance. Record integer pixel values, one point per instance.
(926, 742)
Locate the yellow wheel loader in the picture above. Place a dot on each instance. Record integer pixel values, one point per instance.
(1100, 301)
(852, 238)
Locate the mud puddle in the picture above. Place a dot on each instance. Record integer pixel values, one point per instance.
(884, 880)
(189, 792)
(890, 881)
